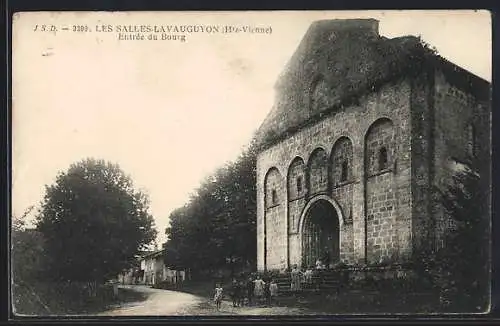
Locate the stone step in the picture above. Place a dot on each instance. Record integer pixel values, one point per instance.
(330, 281)
(327, 285)
(316, 276)
(325, 275)
(320, 291)
(312, 284)
(322, 287)
(314, 279)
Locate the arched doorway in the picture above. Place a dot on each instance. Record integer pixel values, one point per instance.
(320, 232)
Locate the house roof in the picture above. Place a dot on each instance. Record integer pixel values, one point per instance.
(353, 60)
(154, 253)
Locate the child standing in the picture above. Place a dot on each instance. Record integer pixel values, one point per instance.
(218, 295)
(273, 289)
(308, 275)
(235, 292)
(258, 289)
(241, 293)
(296, 276)
(250, 290)
(267, 292)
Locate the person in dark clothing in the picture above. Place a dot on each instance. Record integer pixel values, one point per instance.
(325, 258)
(267, 292)
(241, 293)
(234, 292)
(250, 290)
(238, 293)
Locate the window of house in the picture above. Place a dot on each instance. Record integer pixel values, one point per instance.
(344, 167)
(440, 243)
(382, 158)
(299, 185)
(274, 197)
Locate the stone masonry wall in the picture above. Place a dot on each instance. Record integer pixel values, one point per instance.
(296, 193)
(455, 109)
(275, 224)
(422, 118)
(392, 102)
(343, 194)
(380, 206)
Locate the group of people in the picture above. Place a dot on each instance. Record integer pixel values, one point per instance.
(311, 276)
(252, 290)
(257, 289)
(307, 278)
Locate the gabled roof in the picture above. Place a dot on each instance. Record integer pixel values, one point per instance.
(154, 253)
(351, 57)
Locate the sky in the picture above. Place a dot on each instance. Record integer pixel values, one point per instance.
(171, 112)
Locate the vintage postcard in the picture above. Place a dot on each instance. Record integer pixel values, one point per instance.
(251, 163)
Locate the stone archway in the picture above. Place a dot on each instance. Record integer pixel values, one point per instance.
(320, 230)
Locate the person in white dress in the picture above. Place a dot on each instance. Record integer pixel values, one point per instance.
(218, 296)
(308, 277)
(273, 288)
(296, 276)
(259, 288)
(319, 264)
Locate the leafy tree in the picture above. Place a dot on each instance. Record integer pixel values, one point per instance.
(93, 222)
(464, 262)
(460, 269)
(28, 264)
(27, 251)
(218, 225)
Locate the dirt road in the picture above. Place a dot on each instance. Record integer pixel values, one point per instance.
(173, 303)
(158, 303)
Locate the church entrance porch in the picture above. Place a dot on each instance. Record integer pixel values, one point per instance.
(320, 233)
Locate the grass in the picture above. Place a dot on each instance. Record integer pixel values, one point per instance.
(43, 299)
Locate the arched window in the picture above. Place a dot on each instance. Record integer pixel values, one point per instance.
(345, 166)
(295, 179)
(341, 161)
(299, 185)
(382, 158)
(471, 140)
(317, 170)
(380, 148)
(273, 185)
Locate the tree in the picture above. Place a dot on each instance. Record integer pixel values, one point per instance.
(93, 222)
(459, 270)
(28, 263)
(27, 251)
(465, 261)
(219, 222)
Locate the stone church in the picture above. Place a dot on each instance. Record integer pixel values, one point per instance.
(362, 129)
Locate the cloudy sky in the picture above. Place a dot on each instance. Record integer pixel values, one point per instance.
(171, 112)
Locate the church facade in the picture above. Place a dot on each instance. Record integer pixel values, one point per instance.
(363, 128)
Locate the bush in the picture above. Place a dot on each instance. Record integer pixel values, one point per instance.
(459, 271)
(60, 298)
